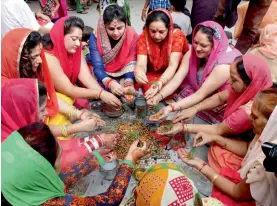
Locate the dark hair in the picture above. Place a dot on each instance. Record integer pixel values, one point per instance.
(42, 92)
(157, 16)
(69, 24)
(25, 62)
(176, 26)
(41, 139)
(87, 33)
(178, 5)
(113, 12)
(267, 101)
(241, 70)
(206, 30)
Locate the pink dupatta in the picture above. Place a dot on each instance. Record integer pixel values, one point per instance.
(218, 55)
(258, 71)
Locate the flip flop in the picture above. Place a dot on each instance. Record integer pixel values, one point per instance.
(82, 12)
(70, 9)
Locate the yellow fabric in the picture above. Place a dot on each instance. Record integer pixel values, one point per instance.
(61, 119)
(269, 18)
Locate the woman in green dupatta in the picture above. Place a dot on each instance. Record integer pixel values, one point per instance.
(31, 159)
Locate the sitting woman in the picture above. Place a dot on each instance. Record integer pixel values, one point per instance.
(32, 64)
(205, 70)
(54, 9)
(24, 102)
(68, 66)
(267, 48)
(251, 185)
(117, 44)
(31, 178)
(160, 50)
(167, 184)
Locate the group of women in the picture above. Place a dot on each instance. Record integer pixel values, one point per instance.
(46, 84)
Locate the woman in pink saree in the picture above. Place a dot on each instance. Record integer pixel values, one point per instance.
(24, 102)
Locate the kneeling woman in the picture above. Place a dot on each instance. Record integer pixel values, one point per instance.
(251, 185)
(31, 160)
(160, 50)
(117, 43)
(24, 102)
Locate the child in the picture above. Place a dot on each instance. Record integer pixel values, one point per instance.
(179, 18)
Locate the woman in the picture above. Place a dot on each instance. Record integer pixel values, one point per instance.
(24, 102)
(249, 74)
(38, 158)
(54, 9)
(123, 3)
(67, 65)
(160, 49)
(267, 48)
(167, 184)
(117, 45)
(32, 64)
(251, 184)
(204, 70)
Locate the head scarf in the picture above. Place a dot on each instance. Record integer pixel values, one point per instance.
(19, 105)
(166, 184)
(121, 58)
(218, 55)
(70, 63)
(254, 155)
(12, 45)
(259, 73)
(28, 179)
(268, 41)
(155, 50)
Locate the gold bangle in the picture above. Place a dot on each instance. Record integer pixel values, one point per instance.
(64, 130)
(214, 178)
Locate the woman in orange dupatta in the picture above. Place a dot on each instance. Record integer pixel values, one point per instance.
(23, 57)
(160, 49)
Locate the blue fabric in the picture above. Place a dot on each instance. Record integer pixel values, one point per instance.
(159, 4)
(95, 59)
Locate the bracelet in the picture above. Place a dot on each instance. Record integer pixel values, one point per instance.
(99, 97)
(214, 178)
(108, 83)
(127, 84)
(64, 130)
(72, 113)
(144, 9)
(99, 140)
(172, 107)
(185, 128)
(99, 158)
(128, 162)
(203, 165)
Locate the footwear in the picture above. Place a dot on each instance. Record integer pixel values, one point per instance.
(70, 9)
(82, 12)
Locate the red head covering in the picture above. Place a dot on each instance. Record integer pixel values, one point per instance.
(159, 54)
(19, 105)
(12, 45)
(258, 71)
(70, 63)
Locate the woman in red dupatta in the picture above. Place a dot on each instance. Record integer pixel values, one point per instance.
(68, 66)
(23, 103)
(118, 50)
(160, 50)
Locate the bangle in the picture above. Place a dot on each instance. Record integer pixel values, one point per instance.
(144, 9)
(108, 83)
(214, 178)
(99, 97)
(172, 107)
(203, 165)
(81, 114)
(99, 140)
(128, 162)
(64, 130)
(127, 84)
(185, 128)
(72, 113)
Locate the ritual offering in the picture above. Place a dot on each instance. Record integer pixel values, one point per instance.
(190, 155)
(112, 111)
(129, 132)
(166, 126)
(138, 173)
(141, 107)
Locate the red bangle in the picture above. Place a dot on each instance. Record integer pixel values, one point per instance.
(108, 83)
(82, 114)
(172, 107)
(100, 93)
(203, 165)
(127, 84)
(183, 125)
(144, 9)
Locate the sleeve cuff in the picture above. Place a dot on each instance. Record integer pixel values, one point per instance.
(128, 162)
(99, 157)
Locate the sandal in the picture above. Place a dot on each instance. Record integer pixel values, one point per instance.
(82, 12)
(70, 9)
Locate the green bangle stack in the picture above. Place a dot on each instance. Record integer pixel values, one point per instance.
(128, 162)
(99, 158)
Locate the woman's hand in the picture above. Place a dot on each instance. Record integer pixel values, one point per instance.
(116, 88)
(141, 77)
(155, 100)
(109, 98)
(177, 128)
(109, 140)
(135, 152)
(186, 115)
(143, 14)
(162, 114)
(203, 138)
(153, 90)
(87, 114)
(87, 125)
(193, 162)
(44, 17)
